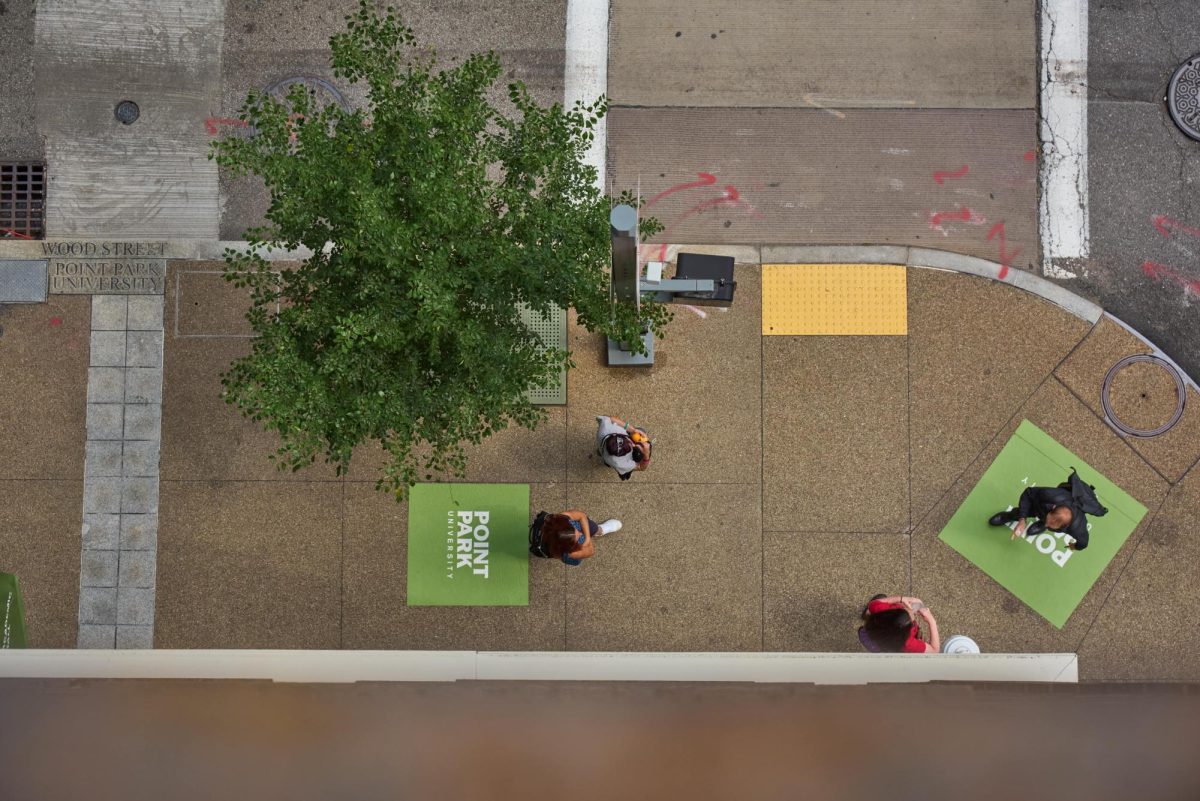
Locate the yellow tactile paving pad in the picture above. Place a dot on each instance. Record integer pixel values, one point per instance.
(834, 300)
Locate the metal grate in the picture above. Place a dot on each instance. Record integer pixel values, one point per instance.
(552, 330)
(22, 200)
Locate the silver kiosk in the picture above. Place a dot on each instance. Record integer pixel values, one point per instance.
(699, 279)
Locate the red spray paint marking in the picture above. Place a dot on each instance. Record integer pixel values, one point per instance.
(1005, 257)
(6, 233)
(1158, 272)
(936, 218)
(56, 321)
(939, 178)
(1164, 224)
(730, 196)
(1030, 155)
(705, 180)
(211, 124)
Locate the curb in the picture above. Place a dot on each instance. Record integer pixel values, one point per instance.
(940, 260)
(203, 250)
(928, 258)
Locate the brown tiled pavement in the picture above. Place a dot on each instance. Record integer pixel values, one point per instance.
(795, 476)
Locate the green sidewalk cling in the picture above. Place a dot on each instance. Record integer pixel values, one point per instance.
(1042, 571)
(468, 545)
(12, 612)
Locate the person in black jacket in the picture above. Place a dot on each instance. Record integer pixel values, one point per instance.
(1054, 508)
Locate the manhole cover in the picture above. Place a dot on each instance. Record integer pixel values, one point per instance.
(322, 91)
(1143, 396)
(1183, 97)
(127, 112)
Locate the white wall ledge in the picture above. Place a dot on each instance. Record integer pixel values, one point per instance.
(442, 666)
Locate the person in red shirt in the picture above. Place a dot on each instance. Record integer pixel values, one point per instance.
(890, 625)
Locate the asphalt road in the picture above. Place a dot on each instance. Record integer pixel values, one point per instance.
(1143, 171)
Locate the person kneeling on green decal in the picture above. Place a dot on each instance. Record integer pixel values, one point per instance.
(1062, 509)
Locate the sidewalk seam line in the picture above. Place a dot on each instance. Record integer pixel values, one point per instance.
(342, 570)
(908, 419)
(762, 478)
(958, 477)
(1121, 572)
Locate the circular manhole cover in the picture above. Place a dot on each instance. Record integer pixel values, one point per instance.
(1143, 396)
(127, 112)
(1183, 97)
(325, 93)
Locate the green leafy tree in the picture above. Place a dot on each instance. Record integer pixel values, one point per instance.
(443, 214)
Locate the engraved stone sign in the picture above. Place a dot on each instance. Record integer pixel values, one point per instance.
(106, 268)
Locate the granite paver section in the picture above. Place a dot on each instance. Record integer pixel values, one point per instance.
(120, 485)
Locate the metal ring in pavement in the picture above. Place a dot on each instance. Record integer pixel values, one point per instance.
(1142, 433)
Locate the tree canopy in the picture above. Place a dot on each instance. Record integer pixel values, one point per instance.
(443, 216)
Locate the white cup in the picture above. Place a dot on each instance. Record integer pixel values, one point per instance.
(960, 644)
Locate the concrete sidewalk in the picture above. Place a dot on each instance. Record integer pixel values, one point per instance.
(796, 477)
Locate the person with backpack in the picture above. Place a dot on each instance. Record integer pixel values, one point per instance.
(622, 446)
(890, 625)
(1062, 509)
(568, 536)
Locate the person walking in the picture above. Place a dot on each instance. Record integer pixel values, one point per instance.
(622, 446)
(890, 625)
(568, 536)
(1061, 509)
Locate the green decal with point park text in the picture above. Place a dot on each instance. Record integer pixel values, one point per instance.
(468, 545)
(12, 613)
(1046, 575)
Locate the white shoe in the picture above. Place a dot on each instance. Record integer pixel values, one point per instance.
(608, 527)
